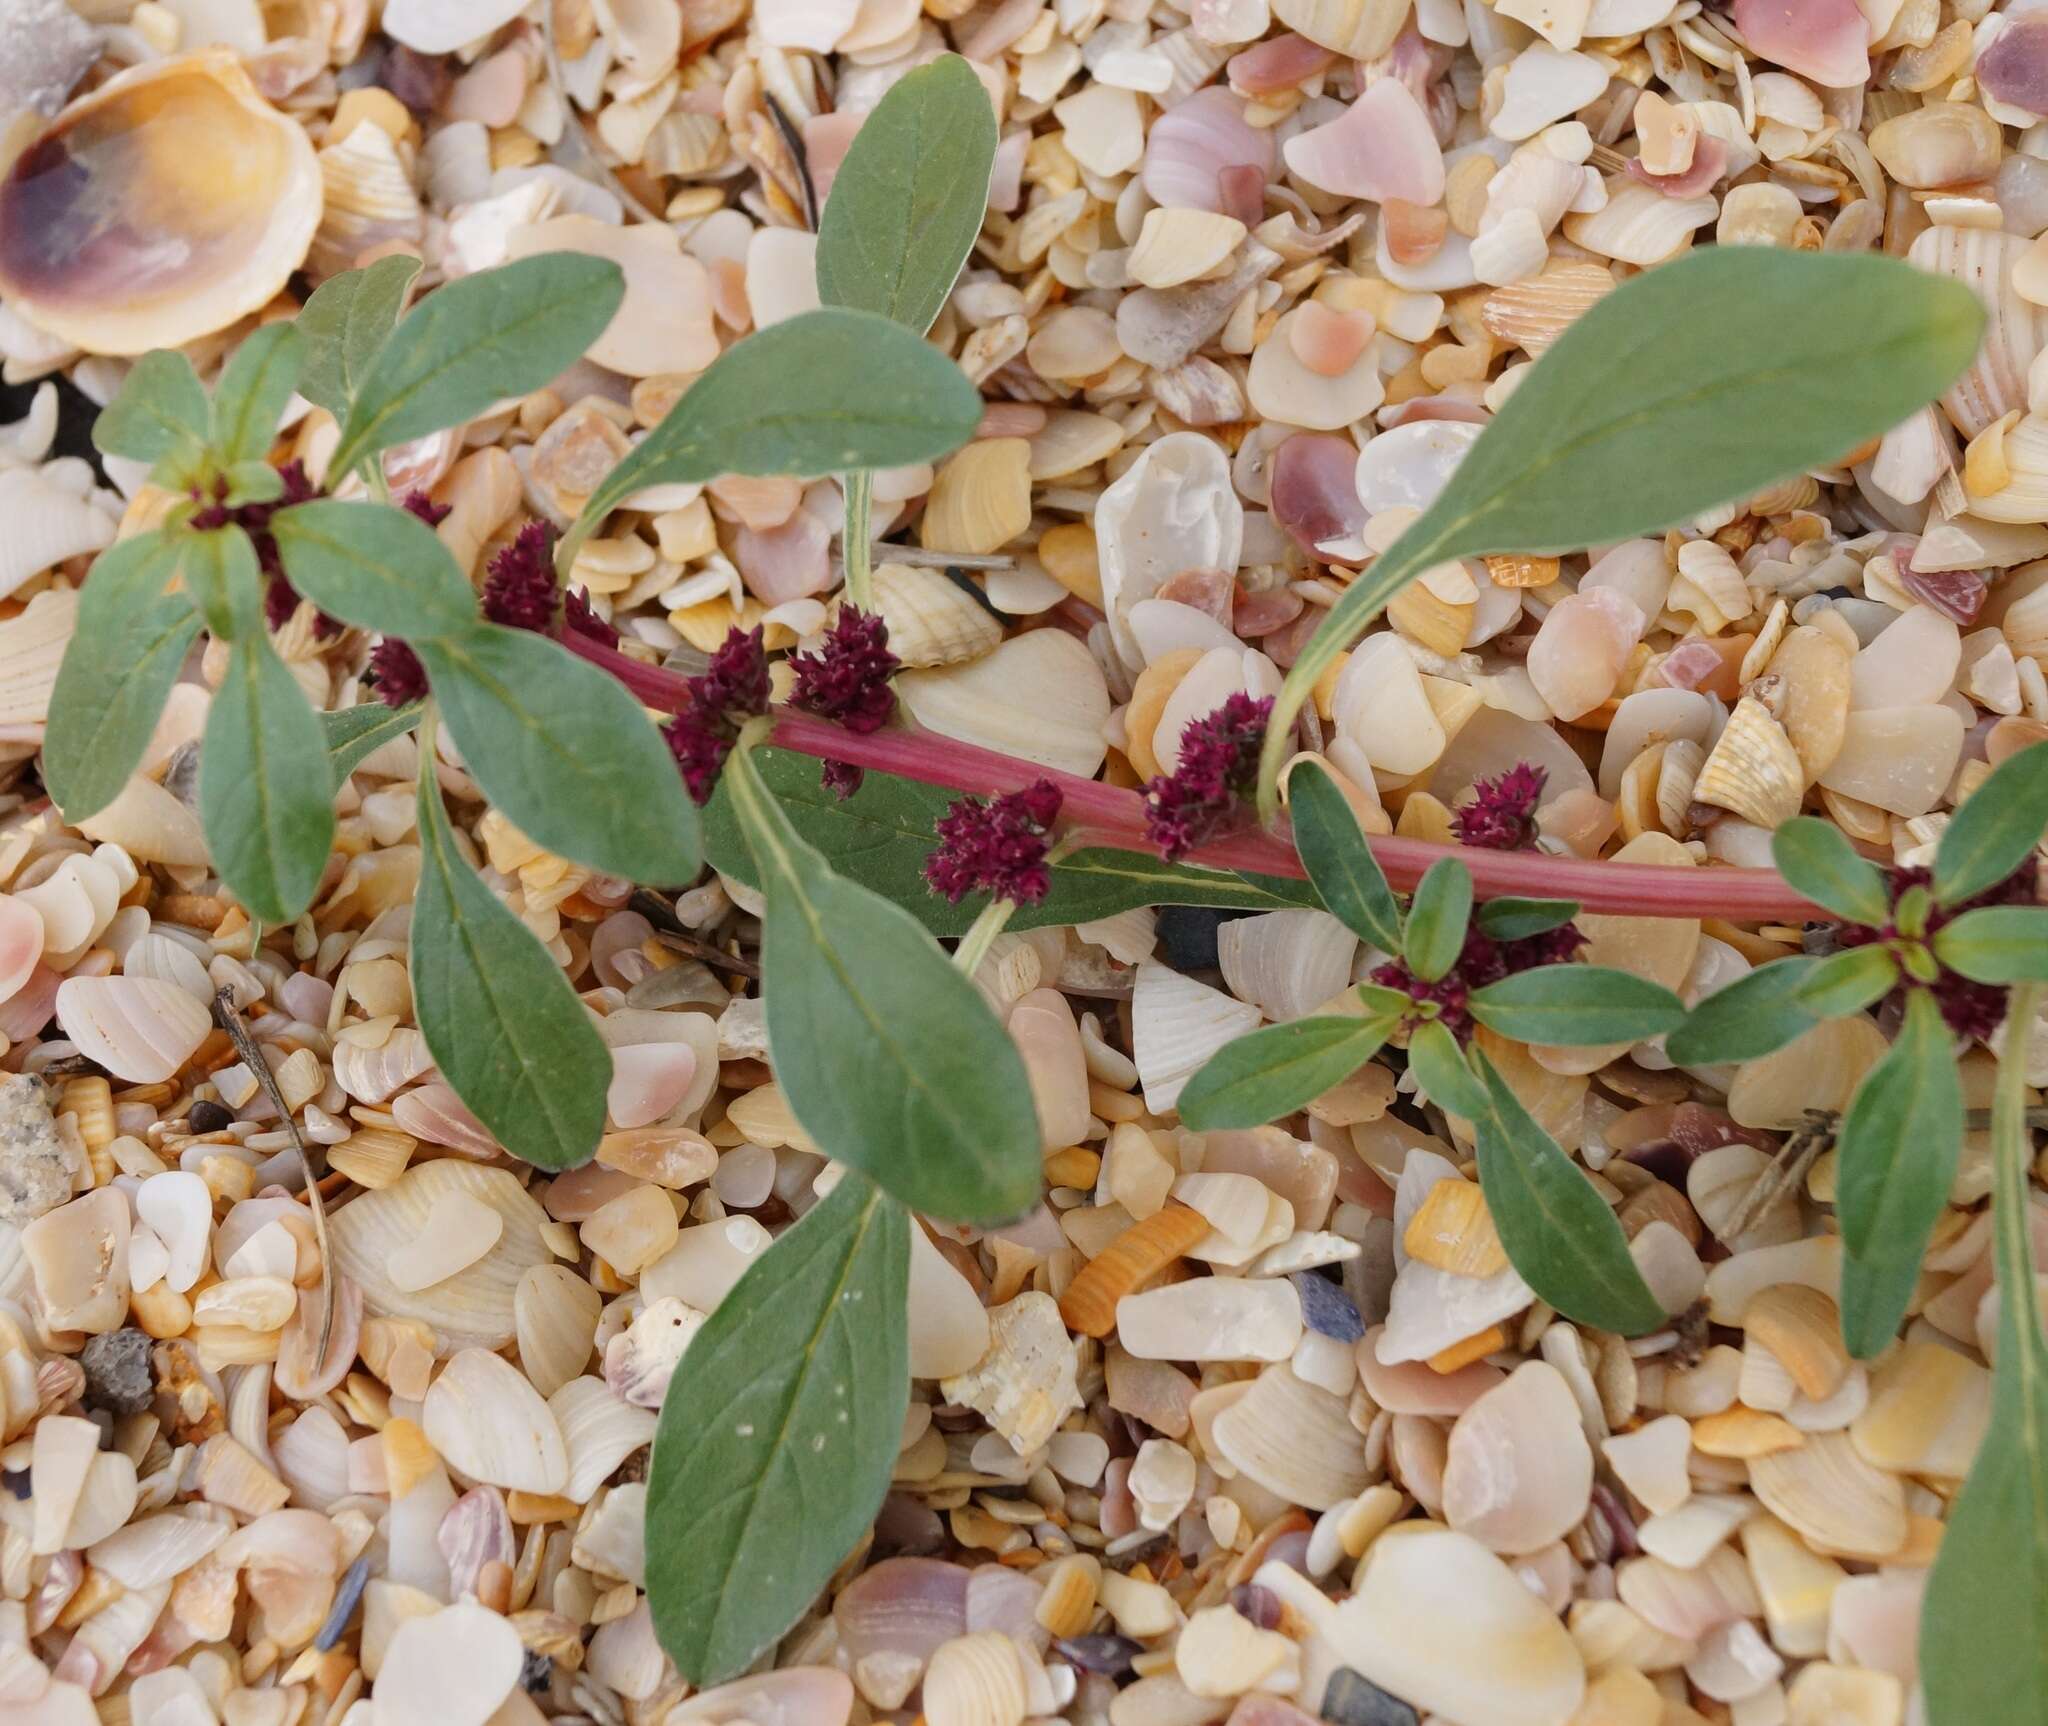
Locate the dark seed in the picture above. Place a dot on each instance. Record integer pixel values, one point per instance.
(207, 1117)
(1326, 1308)
(537, 1672)
(1109, 1655)
(1352, 1699)
(345, 1599)
(117, 1375)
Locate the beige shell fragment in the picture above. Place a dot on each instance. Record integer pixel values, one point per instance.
(1294, 1439)
(1356, 29)
(1753, 770)
(490, 1424)
(931, 620)
(1982, 259)
(1025, 1385)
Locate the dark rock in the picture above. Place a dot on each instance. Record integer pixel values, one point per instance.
(345, 1598)
(117, 1375)
(1187, 935)
(537, 1672)
(1326, 1308)
(1351, 1699)
(1110, 1655)
(206, 1116)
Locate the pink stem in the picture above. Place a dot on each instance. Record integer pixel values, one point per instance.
(1115, 818)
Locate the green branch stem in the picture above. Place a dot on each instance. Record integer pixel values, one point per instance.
(974, 945)
(856, 543)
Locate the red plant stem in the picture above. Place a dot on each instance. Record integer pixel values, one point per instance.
(1112, 817)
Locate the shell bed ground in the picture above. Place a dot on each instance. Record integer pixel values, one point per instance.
(1253, 275)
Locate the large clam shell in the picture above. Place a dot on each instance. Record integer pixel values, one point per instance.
(162, 207)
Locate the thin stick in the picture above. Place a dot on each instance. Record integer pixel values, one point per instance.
(708, 953)
(917, 557)
(793, 142)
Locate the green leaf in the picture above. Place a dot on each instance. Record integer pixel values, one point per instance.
(817, 393)
(565, 752)
(889, 1056)
(265, 797)
(1513, 919)
(1273, 1072)
(1558, 1232)
(478, 341)
(131, 641)
(1438, 915)
(1895, 1161)
(160, 413)
(375, 567)
(345, 323)
(882, 834)
(1577, 1006)
(1847, 982)
(1440, 1069)
(219, 571)
(499, 1017)
(1684, 388)
(356, 733)
(254, 388)
(1818, 860)
(1750, 1017)
(907, 202)
(1999, 944)
(773, 1460)
(1984, 1626)
(1994, 829)
(1338, 859)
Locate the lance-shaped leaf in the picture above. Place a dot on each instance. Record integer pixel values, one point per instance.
(1511, 919)
(254, 388)
(1273, 1072)
(774, 1456)
(1847, 982)
(1558, 1232)
(565, 752)
(265, 796)
(131, 641)
(908, 200)
(219, 571)
(1577, 1005)
(345, 324)
(477, 341)
(1439, 913)
(375, 567)
(1750, 1017)
(1995, 829)
(1895, 1159)
(1818, 860)
(499, 1017)
(356, 733)
(161, 412)
(1680, 390)
(1999, 944)
(888, 1056)
(1333, 849)
(1440, 1068)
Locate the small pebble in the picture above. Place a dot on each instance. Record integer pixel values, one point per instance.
(117, 1371)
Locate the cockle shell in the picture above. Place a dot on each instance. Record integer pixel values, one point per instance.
(157, 209)
(1286, 963)
(369, 200)
(32, 646)
(1294, 1439)
(1753, 770)
(48, 524)
(372, 1075)
(1982, 259)
(138, 1028)
(1177, 1024)
(931, 620)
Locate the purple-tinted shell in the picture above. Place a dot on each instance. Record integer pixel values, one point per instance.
(1194, 141)
(2014, 69)
(1314, 487)
(1326, 1308)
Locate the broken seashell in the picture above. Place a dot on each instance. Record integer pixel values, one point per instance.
(1293, 1438)
(137, 1028)
(1040, 696)
(1380, 147)
(1753, 769)
(492, 1426)
(931, 620)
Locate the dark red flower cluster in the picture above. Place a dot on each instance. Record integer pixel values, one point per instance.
(1481, 961)
(579, 619)
(1219, 768)
(1502, 813)
(996, 845)
(519, 586)
(280, 600)
(1969, 1008)
(847, 680)
(729, 692)
(396, 672)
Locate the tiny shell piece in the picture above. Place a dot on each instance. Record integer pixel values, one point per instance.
(1025, 1385)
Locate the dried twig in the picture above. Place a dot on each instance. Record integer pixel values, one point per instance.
(793, 142)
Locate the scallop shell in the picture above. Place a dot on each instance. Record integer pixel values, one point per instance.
(1178, 1024)
(1826, 1492)
(1753, 770)
(1039, 696)
(1532, 314)
(1286, 963)
(372, 1075)
(599, 1429)
(1294, 1439)
(138, 1028)
(931, 620)
(47, 524)
(369, 200)
(31, 648)
(1982, 259)
(1813, 673)
(1127, 1263)
(1803, 1329)
(473, 1308)
(119, 230)
(981, 498)
(490, 1425)
(975, 1680)
(2024, 495)
(1639, 225)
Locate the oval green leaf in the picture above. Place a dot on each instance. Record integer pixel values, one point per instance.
(219, 570)
(161, 413)
(1440, 1069)
(1273, 1072)
(907, 202)
(1847, 982)
(1752, 1016)
(266, 799)
(498, 1016)
(375, 567)
(255, 387)
(477, 341)
(888, 1056)
(132, 637)
(565, 752)
(345, 323)
(1818, 860)
(356, 733)
(1512, 919)
(1577, 1006)
(2000, 944)
(1995, 829)
(1347, 876)
(779, 1433)
(1438, 915)
(1559, 1234)
(1895, 1160)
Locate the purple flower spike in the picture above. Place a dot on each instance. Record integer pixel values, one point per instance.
(1219, 768)
(519, 590)
(1502, 813)
(729, 692)
(397, 672)
(996, 845)
(847, 680)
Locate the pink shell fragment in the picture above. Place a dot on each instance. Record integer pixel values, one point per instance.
(1241, 192)
(21, 944)
(1825, 40)
(788, 562)
(2014, 69)
(1271, 67)
(1434, 408)
(1315, 491)
(827, 138)
(1195, 141)
(1958, 594)
(1262, 613)
(1209, 591)
(1689, 664)
(1709, 163)
(1380, 147)
(648, 1080)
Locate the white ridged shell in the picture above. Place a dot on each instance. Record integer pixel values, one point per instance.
(138, 1028)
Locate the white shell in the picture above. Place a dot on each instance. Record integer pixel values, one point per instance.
(1518, 1473)
(46, 524)
(1040, 697)
(1286, 963)
(1294, 1439)
(138, 1028)
(600, 1430)
(31, 648)
(491, 1425)
(931, 621)
(372, 1075)
(1177, 1024)
(1173, 509)
(442, 26)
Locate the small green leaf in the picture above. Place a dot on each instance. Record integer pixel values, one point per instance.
(888, 1056)
(254, 388)
(1818, 860)
(265, 797)
(131, 641)
(1438, 916)
(375, 567)
(1577, 1006)
(907, 202)
(1994, 829)
(160, 413)
(565, 752)
(477, 341)
(219, 571)
(2000, 944)
(1440, 1069)
(345, 323)
(356, 733)
(1558, 1232)
(772, 1462)
(1339, 861)
(1847, 982)
(1895, 1161)
(1984, 1626)
(1750, 1017)
(1394, 1003)
(817, 393)
(1273, 1072)
(1511, 919)
(499, 1017)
